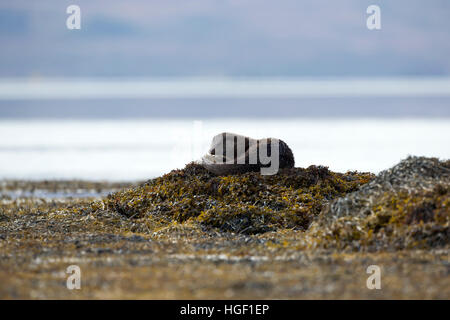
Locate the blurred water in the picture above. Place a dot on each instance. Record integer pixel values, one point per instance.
(175, 88)
(141, 149)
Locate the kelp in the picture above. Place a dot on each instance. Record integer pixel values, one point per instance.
(404, 207)
(242, 203)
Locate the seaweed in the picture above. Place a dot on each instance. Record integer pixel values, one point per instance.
(242, 203)
(190, 234)
(404, 207)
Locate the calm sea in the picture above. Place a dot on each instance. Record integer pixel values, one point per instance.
(141, 149)
(136, 130)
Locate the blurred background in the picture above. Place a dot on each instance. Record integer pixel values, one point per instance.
(143, 86)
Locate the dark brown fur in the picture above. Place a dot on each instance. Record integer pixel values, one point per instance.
(286, 159)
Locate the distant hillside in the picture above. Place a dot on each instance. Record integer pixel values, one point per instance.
(436, 107)
(232, 38)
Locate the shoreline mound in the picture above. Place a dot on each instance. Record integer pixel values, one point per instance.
(246, 203)
(406, 206)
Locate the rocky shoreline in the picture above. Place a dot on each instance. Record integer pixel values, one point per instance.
(406, 206)
(303, 233)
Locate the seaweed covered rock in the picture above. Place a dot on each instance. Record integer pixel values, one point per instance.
(403, 207)
(245, 203)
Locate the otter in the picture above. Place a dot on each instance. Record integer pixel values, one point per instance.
(232, 153)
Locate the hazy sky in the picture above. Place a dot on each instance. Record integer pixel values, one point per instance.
(224, 38)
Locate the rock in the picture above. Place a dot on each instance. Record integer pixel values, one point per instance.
(406, 206)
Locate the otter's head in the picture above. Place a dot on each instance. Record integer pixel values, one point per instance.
(286, 156)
